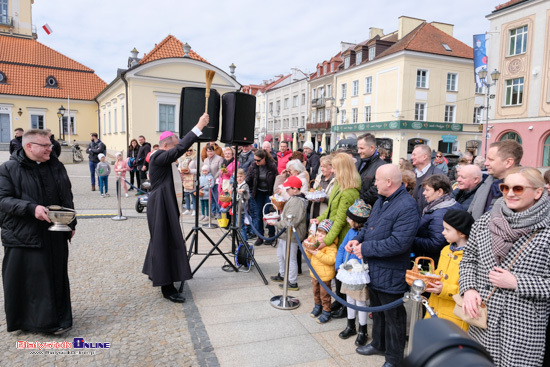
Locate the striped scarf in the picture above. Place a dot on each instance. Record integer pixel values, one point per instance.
(507, 226)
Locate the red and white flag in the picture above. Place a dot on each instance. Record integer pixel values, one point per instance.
(47, 28)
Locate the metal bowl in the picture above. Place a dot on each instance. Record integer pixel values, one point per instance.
(60, 217)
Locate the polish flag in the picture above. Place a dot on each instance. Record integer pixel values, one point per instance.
(47, 28)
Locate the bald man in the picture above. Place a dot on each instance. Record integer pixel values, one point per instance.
(385, 241)
(469, 179)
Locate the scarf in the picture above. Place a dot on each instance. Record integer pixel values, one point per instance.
(507, 226)
(226, 163)
(438, 161)
(434, 204)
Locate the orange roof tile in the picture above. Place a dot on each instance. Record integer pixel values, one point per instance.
(251, 89)
(429, 39)
(169, 47)
(27, 63)
(508, 4)
(274, 83)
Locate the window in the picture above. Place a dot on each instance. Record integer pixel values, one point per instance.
(104, 121)
(355, 87)
(511, 136)
(518, 41)
(114, 112)
(286, 104)
(546, 152)
(479, 90)
(303, 121)
(372, 53)
(37, 121)
(368, 85)
(477, 115)
(367, 114)
(314, 117)
(420, 111)
(4, 12)
(65, 130)
(331, 67)
(3, 79)
(122, 122)
(314, 93)
(303, 99)
(325, 69)
(514, 92)
(452, 82)
(344, 92)
(358, 57)
(450, 113)
(447, 47)
(321, 115)
(278, 106)
(343, 116)
(109, 123)
(295, 101)
(354, 115)
(51, 82)
(328, 92)
(321, 93)
(166, 117)
(319, 71)
(346, 62)
(271, 107)
(421, 78)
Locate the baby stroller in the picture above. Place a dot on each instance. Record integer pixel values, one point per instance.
(141, 202)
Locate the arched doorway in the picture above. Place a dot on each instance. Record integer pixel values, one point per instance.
(411, 143)
(546, 152)
(511, 135)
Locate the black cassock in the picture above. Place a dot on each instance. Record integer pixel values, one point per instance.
(166, 260)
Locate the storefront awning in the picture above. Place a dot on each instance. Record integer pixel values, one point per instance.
(268, 138)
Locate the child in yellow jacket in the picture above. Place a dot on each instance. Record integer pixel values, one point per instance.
(456, 229)
(322, 260)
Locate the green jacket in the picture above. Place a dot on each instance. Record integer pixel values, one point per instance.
(338, 204)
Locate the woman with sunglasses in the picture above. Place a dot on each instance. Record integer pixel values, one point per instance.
(441, 162)
(516, 233)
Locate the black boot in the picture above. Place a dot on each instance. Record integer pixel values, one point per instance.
(362, 336)
(340, 313)
(349, 330)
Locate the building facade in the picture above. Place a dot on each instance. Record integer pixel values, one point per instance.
(519, 48)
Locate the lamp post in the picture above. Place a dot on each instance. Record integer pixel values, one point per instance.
(495, 75)
(232, 68)
(60, 114)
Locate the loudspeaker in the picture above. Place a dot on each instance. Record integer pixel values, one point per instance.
(192, 104)
(238, 118)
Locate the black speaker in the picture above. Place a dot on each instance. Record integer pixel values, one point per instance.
(192, 107)
(238, 118)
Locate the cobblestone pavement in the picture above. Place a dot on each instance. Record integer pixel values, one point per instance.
(112, 300)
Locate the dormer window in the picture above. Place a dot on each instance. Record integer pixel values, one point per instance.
(3, 79)
(318, 71)
(51, 82)
(372, 53)
(325, 69)
(346, 61)
(332, 67)
(359, 57)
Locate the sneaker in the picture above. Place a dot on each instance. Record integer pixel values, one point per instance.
(126, 194)
(201, 218)
(205, 219)
(186, 212)
(324, 318)
(192, 213)
(102, 195)
(107, 195)
(277, 278)
(316, 311)
(291, 286)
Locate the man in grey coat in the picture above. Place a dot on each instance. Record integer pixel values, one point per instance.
(502, 156)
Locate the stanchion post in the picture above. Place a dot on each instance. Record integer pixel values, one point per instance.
(118, 197)
(284, 302)
(418, 287)
(209, 224)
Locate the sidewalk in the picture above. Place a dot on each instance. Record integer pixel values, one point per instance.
(227, 319)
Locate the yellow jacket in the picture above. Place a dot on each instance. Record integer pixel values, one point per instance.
(323, 261)
(443, 303)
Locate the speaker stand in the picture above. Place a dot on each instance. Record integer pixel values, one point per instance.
(196, 230)
(233, 229)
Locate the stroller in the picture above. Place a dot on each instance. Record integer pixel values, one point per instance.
(141, 202)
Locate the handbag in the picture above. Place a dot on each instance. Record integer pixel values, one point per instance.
(188, 182)
(481, 321)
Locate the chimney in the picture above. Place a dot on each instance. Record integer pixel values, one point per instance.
(407, 24)
(134, 53)
(346, 45)
(444, 27)
(373, 32)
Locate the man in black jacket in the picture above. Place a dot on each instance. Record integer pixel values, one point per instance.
(367, 166)
(469, 179)
(313, 161)
(34, 270)
(422, 161)
(95, 148)
(15, 143)
(142, 165)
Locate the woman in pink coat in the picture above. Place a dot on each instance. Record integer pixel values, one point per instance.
(226, 172)
(121, 167)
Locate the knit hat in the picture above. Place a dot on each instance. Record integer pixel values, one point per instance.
(165, 134)
(359, 212)
(205, 167)
(118, 153)
(100, 155)
(325, 225)
(293, 181)
(460, 220)
(308, 144)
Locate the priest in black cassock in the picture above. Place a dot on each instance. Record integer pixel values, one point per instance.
(166, 261)
(34, 271)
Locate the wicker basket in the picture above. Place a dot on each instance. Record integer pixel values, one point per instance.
(225, 198)
(414, 273)
(278, 204)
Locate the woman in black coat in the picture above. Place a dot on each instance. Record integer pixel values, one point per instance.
(132, 153)
(260, 179)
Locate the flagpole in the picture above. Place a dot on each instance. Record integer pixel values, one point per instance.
(69, 117)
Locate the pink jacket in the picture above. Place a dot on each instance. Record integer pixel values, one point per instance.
(121, 167)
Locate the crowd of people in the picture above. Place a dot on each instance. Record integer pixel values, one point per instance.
(485, 228)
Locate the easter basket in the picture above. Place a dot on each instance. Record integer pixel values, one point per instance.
(278, 201)
(416, 273)
(271, 218)
(353, 274)
(315, 194)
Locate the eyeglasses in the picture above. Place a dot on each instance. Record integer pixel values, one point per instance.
(439, 156)
(258, 160)
(43, 145)
(517, 189)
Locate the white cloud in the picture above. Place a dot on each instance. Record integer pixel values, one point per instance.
(262, 38)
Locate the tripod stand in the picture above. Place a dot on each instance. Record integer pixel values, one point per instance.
(233, 229)
(194, 233)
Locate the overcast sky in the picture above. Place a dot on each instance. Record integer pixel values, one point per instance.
(262, 38)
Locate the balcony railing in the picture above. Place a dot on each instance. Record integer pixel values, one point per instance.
(318, 102)
(319, 126)
(5, 20)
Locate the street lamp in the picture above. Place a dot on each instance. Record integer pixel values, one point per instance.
(495, 75)
(232, 68)
(60, 114)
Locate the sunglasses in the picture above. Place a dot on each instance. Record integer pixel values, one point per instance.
(258, 160)
(517, 189)
(439, 156)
